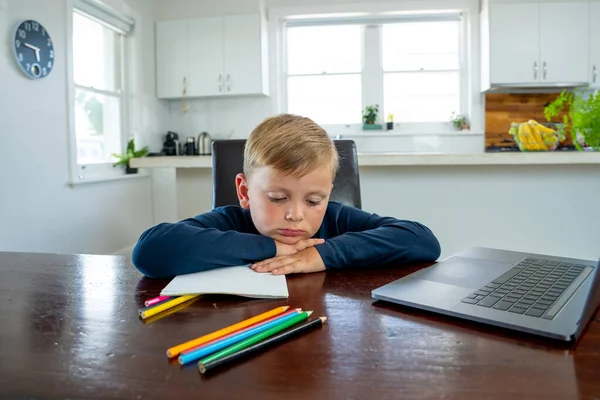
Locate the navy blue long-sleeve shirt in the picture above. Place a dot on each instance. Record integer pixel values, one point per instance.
(226, 236)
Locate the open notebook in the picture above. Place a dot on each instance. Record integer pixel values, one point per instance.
(240, 281)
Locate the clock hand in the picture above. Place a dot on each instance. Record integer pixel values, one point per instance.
(36, 49)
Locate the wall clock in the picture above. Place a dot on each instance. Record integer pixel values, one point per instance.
(34, 51)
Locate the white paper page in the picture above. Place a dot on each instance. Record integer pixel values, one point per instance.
(240, 281)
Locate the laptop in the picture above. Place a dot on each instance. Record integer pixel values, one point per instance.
(543, 295)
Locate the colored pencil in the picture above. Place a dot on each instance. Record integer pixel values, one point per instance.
(165, 306)
(156, 300)
(221, 344)
(176, 350)
(170, 311)
(295, 311)
(141, 310)
(256, 344)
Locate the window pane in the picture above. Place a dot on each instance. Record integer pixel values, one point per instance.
(96, 54)
(324, 49)
(326, 99)
(97, 127)
(421, 96)
(420, 46)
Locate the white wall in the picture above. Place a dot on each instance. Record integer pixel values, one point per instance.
(39, 211)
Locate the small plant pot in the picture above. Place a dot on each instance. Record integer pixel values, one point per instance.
(129, 170)
(390, 126)
(465, 126)
(372, 127)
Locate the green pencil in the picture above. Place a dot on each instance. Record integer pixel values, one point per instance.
(254, 339)
(257, 344)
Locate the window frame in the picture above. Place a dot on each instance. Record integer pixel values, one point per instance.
(97, 172)
(329, 15)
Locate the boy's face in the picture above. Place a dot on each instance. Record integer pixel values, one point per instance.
(284, 207)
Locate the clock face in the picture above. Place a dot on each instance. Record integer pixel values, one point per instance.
(34, 51)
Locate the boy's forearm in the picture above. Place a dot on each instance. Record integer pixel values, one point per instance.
(174, 249)
(402, 242)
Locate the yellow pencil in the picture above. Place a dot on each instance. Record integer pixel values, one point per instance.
(170, 311)
(166, 305)
(176, 350)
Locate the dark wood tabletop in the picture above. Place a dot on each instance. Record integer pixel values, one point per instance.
(70, 329)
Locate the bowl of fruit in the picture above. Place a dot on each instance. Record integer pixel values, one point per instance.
(533, 136)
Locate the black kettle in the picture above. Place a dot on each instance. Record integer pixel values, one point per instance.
(204, 144)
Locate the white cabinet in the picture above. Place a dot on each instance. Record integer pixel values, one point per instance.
(537, 43)
(206, 57)
(214, 56)
(172, 63)
(595, 45)
(564, 48)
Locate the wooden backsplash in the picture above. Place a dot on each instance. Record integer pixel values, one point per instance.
(501, 109)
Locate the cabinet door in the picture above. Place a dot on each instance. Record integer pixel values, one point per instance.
(595, 44)
(565, 42)
(171, 58)
(514, 43)
(206, 57)
(243, 55)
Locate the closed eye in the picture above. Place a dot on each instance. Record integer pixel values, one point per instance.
(313, 202)
(277, 199)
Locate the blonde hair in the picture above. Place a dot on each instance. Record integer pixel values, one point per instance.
(290, 144)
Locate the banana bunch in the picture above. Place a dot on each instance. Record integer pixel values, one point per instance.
(533, 136)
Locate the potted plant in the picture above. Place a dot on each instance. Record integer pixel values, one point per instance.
(460, 122)
(129, 154)
(370, 117)
(390, 123)
(581, 117)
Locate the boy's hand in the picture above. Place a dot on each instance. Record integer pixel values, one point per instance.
(288, 249)
(307, 260)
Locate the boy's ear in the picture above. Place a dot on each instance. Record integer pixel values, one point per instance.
(241, 185)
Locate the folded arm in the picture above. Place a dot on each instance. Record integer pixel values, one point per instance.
(367, 239)
(208, 241)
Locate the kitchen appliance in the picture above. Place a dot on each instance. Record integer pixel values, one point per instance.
(204, 144)
(190, 146)
(171, 144)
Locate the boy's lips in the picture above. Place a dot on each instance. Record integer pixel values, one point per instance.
(291, 232)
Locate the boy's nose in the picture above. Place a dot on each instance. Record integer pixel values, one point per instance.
(294, 214)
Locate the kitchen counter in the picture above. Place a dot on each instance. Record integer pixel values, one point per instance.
(534, 202)
(396, 159)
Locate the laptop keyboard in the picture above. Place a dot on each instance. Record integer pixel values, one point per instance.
(532, 287)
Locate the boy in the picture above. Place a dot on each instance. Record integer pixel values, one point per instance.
(285, 222)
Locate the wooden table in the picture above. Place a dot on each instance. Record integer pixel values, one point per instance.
(69, 329)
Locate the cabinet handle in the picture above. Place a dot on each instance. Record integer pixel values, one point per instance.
(544, 70)
(184, 86)
(220, 85)
(594, 73)
(228, 85)
(535, 70)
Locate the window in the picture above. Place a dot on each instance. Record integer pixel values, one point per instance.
(97, 72)
(421, 75)
(409, 66)
(324, 73)
(99, 89)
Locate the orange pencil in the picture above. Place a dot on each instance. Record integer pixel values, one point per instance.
(176, 350)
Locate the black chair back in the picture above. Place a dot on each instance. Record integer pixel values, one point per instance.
(228, 161)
